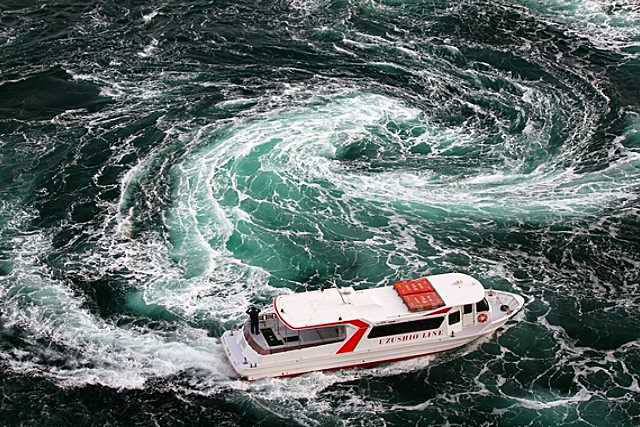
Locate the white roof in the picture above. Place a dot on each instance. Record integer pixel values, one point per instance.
(374, 305)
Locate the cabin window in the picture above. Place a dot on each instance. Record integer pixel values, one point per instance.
(468, 308)
(275, 337)
(482, 305)
(305, 337)
(454, 318)
(322, 335)
(405, 327)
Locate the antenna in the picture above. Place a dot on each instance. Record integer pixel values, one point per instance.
(339, 293)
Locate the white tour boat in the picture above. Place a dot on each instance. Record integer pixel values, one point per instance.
(341, 327)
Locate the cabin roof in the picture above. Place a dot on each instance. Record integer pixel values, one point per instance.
(330, 306)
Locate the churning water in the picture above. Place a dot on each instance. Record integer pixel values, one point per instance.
(164, 165)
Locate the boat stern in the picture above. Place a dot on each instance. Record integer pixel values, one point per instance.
(238, 352)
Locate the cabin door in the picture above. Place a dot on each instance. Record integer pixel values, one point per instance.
(467, 315)
(455, 325)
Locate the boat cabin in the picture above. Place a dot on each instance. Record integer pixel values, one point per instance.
(442, 305)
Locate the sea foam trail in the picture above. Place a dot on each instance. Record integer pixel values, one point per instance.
(304, 145)
(84, 349)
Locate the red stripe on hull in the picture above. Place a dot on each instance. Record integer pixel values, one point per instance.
(350, 345)
(441, 311)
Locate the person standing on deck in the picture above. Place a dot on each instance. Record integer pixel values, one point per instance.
(254, 314)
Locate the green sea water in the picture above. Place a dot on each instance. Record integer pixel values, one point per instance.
(163, 165)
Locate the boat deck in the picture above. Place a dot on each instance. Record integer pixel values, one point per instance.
(276, 338)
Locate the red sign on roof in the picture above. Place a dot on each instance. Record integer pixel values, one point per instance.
(410, 287)
(423, 301)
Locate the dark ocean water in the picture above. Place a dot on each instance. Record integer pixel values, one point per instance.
(165, 164)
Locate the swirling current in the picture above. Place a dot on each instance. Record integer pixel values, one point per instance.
(165, 164)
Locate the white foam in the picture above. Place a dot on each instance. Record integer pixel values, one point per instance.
(149, 49)
(606, 24)
(149, 16)
(581, 396)
(345, 51)
(310, 136)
